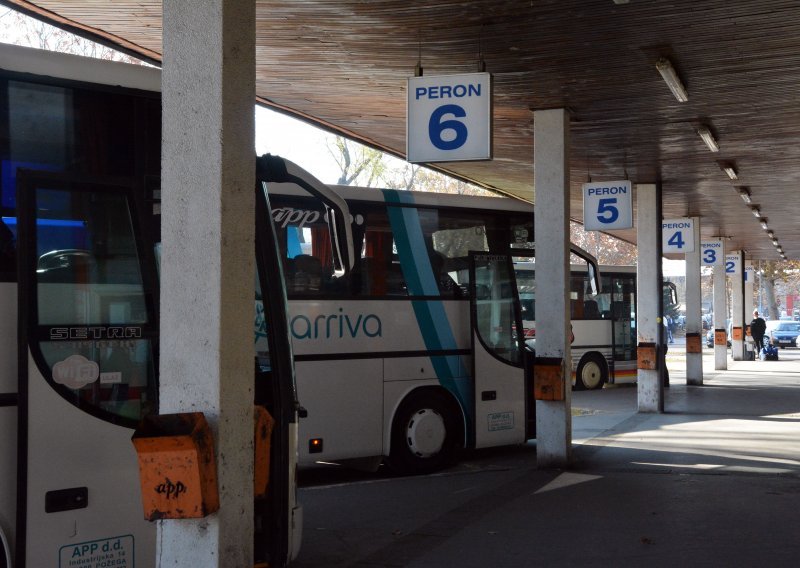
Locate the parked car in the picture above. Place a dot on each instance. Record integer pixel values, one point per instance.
(783, 333)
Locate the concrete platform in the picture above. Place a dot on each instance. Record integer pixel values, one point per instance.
(714, 481)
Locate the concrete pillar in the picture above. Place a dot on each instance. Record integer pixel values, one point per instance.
(551, 190)
(720, 315)
(207, 274)
(694, 309)
(648, 291)
(737, 309)
(749, 302)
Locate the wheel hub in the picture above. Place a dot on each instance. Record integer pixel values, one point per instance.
(591, 374)
(426, 433)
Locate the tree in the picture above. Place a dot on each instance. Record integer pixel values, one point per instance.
(358, 164)
(607, 249)
(18, 29)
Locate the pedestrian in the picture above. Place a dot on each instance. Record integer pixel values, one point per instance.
(668, 322)
(663, 353)
(757, 329)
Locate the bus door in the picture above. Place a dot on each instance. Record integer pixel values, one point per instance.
(501, 393)
(623, 308)
(87, 372)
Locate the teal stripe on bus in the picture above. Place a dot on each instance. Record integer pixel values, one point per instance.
(420, 280)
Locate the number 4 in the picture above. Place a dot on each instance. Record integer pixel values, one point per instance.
(676, 240)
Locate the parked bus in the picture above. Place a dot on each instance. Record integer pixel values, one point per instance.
(79, 242)
(603, 322)
(420, 351)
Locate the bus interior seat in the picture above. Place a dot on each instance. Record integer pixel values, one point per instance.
(308, 273)
(590, 310)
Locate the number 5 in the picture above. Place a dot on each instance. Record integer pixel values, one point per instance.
(607, 206)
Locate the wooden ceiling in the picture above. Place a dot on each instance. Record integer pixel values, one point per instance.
(345, 63)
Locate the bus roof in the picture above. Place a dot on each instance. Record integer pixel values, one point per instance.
(79, 68)
(425, 198)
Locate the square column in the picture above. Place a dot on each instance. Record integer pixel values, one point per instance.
(749, 305)
(720, 317)
(649, 323)
(207, 266)
(694, 312)
(737, 311)
(551, 228)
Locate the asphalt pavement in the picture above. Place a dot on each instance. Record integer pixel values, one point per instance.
(713, 481)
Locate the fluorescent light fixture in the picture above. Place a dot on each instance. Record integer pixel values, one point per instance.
(764, 224)
(744, 193)
(708, 138)
(671, 79)
(770, 234)
(775, 242)
(730, 170)
(755, 211)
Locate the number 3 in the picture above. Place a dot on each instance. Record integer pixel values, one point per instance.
(710, 256)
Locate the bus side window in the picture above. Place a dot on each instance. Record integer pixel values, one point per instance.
(8, 262)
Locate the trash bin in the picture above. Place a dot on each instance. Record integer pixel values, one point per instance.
(177, 468)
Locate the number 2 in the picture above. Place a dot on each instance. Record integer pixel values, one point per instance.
(729, 266)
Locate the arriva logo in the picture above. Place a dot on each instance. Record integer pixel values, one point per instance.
(336, 326)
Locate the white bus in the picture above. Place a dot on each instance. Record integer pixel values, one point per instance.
(417, 353)
(79, 242)
(603, 322)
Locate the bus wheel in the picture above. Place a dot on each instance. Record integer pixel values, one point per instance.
(426, 433)
(592, 373)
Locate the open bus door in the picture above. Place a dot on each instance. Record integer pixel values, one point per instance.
(87, 349)
(278, 516)
(502, 395)
(505, 409)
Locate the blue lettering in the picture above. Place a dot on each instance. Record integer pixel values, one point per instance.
(377, 331)
(353, 332)
(325, 326)
(607, 190)
(316, 325)
(447, 92)
(307, 332)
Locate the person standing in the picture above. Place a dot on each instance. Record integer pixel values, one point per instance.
(757, 329)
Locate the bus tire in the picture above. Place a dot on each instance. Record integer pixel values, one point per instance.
(592, 372)
(426, 433)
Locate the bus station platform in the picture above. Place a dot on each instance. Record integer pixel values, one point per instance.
(713, 481)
